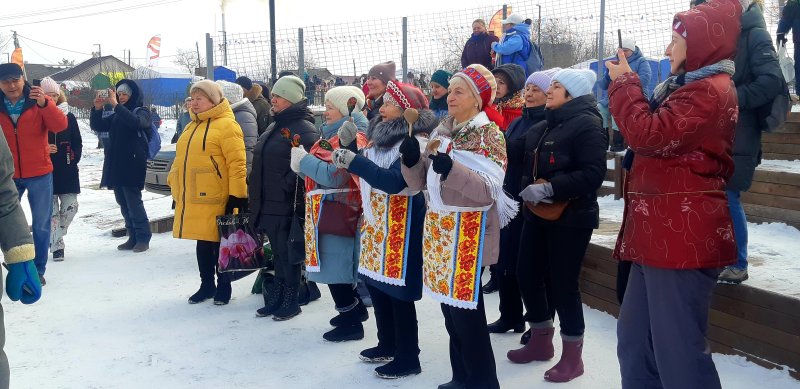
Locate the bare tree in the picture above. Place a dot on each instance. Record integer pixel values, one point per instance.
(188, 59)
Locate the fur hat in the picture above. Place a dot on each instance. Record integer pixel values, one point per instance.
(208, 88)
(542, 79)
(383, 71)
(339, 95)
(50, 86)
(578, 82)
(404, 96)
(481, 82)
(442, 77)
(290, 88)
(245, 82)
(233, 92)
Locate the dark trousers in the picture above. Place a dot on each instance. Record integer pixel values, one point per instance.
(132, 209)
(796, 66)
(662, 326)
(207, 260)
(471, 355)
(509, 293)
(510, 299)
(554, 251)
(344, 295)
(397, 324)
(277, 230)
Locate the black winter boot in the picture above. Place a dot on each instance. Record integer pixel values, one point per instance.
(376, 355)
(345, 333)
(399, 367)
(289, 307)
(273, 296)
(223, 294)
(501, 326)
(128, 245)
(357, 314)
(206, 291)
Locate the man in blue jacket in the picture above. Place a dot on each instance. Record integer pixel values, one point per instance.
(640, 66)
(515, 47)
(790, 20)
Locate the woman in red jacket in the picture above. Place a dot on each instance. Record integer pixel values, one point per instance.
(677, 229)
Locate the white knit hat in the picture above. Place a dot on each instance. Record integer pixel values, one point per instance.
(339, 95)
(50, 86)
(578, 82)
(233, 92)
(629, 43)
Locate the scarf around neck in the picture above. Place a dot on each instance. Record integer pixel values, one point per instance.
(674, 82)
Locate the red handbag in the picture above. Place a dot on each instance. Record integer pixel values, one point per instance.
(339, 216)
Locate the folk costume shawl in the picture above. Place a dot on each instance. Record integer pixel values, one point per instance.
(317, 197)
(454, 236)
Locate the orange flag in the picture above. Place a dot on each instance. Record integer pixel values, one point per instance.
(16, 57)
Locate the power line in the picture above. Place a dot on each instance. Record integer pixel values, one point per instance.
(133, 7)
(51, 46)
(56, 10)
(37, 53)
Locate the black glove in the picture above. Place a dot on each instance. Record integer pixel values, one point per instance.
(442, 163)
(235, 202)
(410, 151)
(780, 39)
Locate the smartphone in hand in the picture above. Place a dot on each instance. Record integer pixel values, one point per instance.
(37, 82)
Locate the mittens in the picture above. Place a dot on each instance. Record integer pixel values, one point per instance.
(347, 133)
(297, 154)
(410, 151)
(535, 193)
(22, 282)
(441, 163)
(236, 203)
(343, 157)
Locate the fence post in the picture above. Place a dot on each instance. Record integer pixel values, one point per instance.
(273, 51)
(209, 57)
(301, 60)
(405, 49)
(601, 42)
(505, 11)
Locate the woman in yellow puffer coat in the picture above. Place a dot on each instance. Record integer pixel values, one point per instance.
(207, 179)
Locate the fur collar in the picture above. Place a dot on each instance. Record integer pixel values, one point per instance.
(387, 134)
(254, 93)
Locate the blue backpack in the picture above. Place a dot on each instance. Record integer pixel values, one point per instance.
(534, 61)
(153, 138)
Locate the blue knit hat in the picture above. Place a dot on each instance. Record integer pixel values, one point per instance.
(442, 77)
(578, 82)
(542, 78)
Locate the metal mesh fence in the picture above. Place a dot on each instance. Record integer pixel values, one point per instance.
(568, 34)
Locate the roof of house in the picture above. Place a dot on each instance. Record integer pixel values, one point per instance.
(35, 71)
(107, 63)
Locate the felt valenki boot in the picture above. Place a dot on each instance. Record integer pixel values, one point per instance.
(538, 348)
(571, 364)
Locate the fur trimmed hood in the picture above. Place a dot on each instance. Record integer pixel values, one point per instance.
(387, 134)
(254, 93)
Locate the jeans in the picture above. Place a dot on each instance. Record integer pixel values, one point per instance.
(739, 227)
(40, 197)
(65, 206)
(132, 209)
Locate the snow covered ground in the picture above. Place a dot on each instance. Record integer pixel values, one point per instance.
(111, 319)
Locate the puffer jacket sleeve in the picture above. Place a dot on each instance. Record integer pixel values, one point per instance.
(97, 123)
(509, 46)
(233, 150)
(416, 176)
(15, 237)
(247, 121)
(765, 72)
(645, 75)
(323, 173)
(674, 128)
(788, 15)
(388, 180)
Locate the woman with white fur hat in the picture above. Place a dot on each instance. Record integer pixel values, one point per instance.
(565, 163)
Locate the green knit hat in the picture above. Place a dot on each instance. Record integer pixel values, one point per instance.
(442, 77)
(290, 88)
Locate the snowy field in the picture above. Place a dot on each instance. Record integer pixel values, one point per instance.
(110, 319)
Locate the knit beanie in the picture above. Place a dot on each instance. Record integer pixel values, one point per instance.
(542, 79)
(442, 77)
(210, 89)
(245, 82)
(290, 88)
(233, 92)
(404, 96)
(481, 82)
(124, 89)
(578, 82)
(629, 43)
(383, 71)
(50, 86)
(339, 95)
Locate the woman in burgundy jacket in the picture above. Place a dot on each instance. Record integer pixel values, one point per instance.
(677, 229)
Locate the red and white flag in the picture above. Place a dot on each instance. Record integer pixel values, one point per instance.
(153, 50)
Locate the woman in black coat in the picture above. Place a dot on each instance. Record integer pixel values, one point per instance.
(506, 269)
(65, 153)
(276, 193)
(568, 151)
(128, 126)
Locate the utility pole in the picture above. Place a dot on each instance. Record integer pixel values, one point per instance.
(16, 40)
(99, 50)
(273, 52)
(197, 46)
